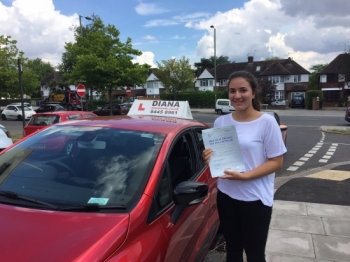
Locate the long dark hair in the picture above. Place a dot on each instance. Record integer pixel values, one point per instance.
(253, 83)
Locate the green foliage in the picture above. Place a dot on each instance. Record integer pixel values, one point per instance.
(313, 79)
(272, 58)
(9, 77)
(267, 90)
(310, 94)
(210, 62)
(101, 60)
(205, 99)
(176, 75)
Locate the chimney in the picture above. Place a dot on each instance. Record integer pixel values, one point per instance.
(250, 59)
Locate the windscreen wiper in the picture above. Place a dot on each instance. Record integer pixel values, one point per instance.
(13, 195)
(91, 207)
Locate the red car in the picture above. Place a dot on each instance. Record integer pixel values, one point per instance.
(42, 120)
(133, 188)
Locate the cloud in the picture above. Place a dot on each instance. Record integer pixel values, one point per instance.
(39, 27)
(146, 58)
(149, 9)
(179, 19)
(176, 37)
(277, 28)
(150, 38)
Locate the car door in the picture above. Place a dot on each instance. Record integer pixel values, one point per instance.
(186, 235)
(11, 112)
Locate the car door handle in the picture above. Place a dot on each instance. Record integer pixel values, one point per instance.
(206, 199)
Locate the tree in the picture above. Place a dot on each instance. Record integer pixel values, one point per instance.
(208, 63)
(9, 80)
(267, 90)
(272, 58)
(313, 79)
(42, 69)
(102, 60)
(176, 75)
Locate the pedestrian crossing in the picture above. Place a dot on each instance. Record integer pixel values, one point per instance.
(325, 158)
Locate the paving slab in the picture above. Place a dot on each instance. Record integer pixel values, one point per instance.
(330, 211)
(303, 224)
(289, 208)
(290, 243)
(336, 227)
(332, 248)
(273, 257)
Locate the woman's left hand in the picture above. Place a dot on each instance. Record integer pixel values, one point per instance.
(234, 175)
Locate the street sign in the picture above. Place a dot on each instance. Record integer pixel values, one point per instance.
(81, 90)
(128, 90)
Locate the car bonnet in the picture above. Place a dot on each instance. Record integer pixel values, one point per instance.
(39, 235)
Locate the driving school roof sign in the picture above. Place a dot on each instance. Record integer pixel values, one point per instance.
(178, 109)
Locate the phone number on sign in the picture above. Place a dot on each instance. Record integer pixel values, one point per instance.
(165, 112)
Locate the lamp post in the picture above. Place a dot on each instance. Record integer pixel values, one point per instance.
(214, 61)
(81, 29)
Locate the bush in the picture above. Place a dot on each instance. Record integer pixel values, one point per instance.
(310, 94)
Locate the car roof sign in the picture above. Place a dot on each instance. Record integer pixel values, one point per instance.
(175, 109)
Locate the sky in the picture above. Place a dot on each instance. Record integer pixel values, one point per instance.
(310, 32)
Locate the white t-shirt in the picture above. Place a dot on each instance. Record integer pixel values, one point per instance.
(259, 140)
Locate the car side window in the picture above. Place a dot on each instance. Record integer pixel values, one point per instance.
(200, 146)
(180, 166)
(77, 116)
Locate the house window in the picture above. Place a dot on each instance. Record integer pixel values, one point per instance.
(297, 78)
(341, 78)
(279, 95)
(274, 79)
(258, 69)
(282, 79)
(211, 82)
(204, 82)
(152, 84)
(223, 82)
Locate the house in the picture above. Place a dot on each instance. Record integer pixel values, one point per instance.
(287, 75)
(334, 81)
(151, 89)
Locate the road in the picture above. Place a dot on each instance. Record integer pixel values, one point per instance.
(307, 145)
(304, 137)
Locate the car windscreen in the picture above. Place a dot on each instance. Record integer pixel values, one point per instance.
(25, 108)
(79, 166)
(43, 120)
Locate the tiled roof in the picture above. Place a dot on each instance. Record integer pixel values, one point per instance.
(267, 68)
(338, 65)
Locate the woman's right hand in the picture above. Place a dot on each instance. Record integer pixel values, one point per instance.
(206, 154)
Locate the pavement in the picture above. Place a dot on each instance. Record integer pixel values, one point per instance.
(311, 211)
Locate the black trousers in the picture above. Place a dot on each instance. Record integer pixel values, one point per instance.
(245, 226)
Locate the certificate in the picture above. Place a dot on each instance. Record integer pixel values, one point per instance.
(226, 151)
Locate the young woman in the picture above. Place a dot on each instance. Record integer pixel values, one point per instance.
(245, 199)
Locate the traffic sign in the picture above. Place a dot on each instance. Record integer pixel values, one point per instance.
(81, 90)
(128, 90)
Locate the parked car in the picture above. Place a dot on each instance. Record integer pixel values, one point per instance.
(24, 103)
(279, 102)
(347, 114)
(5, 138)
(43, 120)
(14, 112)
(282, 127)
(49, 108)
(106, 111)
(132, 189)
(125, 107)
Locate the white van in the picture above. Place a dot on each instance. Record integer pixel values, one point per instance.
(223, 106)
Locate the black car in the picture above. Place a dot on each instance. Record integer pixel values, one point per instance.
(347, 114)
(106, 110)
(49, 108)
